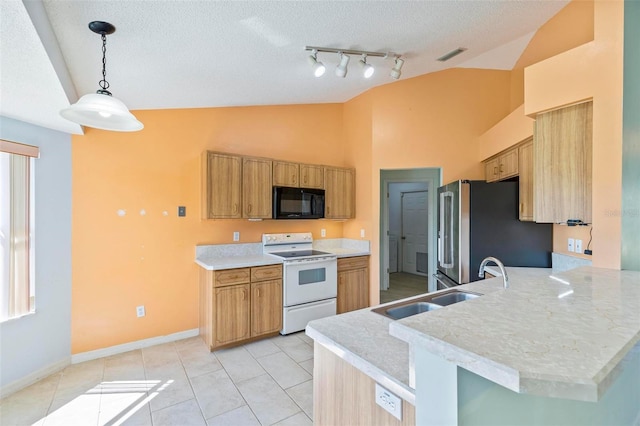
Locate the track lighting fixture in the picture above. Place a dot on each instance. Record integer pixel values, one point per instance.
(367, 69)
(396, 70)
(100, 109)
(343, 54)
(341, 69)
(318, 67)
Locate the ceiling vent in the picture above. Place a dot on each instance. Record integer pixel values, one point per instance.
(451, 54)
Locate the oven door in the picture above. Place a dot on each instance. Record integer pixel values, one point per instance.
(309, 280)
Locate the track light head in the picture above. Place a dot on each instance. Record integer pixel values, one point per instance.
(341, 69)
(396, 70)
(317, 66)
(367, 69)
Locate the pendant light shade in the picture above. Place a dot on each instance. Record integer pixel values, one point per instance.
(101, 110)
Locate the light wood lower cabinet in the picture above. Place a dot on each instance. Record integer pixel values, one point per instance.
(232, 314)
(353, 284)
(239, 305)
(344, 395)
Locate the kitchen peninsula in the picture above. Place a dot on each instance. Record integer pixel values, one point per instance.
(554, 348)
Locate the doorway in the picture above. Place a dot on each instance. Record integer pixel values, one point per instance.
(407, 232)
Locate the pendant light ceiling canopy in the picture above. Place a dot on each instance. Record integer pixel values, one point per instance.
(101, 110)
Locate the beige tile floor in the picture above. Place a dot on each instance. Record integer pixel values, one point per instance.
(268, 382)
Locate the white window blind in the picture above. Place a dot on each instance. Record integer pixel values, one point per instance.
(16, 231)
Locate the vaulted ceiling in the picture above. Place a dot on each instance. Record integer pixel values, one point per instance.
(195, 54)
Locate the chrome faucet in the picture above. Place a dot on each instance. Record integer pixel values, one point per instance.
(503, 271)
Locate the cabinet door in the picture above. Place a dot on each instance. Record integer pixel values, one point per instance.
(525, 159)
(492, 170)
(231, 314)
(562, 161)
(285, 174)
(311, 176)
(256, 188)
(339, 196)
(353, 290)
(266, 307)
(222, 177)
(509, 164)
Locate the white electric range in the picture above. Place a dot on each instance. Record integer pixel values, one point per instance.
(309, 277)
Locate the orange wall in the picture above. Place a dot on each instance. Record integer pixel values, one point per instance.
(569, 28)
(122, 262)
(593, 70)
(427, 121)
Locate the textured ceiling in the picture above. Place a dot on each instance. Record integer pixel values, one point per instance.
(186, 54)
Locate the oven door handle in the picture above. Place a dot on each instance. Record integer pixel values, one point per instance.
(444, 281)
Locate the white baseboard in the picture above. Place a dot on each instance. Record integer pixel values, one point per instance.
(31, 378)
(131, 346)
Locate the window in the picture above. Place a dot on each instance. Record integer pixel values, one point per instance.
(17, 294)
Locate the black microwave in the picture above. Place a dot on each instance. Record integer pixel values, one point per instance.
(297, 203)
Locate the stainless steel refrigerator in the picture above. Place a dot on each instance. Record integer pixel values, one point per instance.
(478, 219)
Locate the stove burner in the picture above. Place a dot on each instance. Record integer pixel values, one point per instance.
(299, 253)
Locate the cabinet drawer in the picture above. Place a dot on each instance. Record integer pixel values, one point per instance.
(232, 276)
(353, 263)
(262, 273)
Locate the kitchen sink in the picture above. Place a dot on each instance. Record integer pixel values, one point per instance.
(411, 309)
(429, 302)
(454, 297)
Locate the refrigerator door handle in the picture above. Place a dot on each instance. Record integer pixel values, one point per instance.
(446, 233)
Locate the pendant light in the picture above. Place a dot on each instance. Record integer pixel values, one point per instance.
(101, 110)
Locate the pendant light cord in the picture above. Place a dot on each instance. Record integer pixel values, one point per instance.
(104, 84)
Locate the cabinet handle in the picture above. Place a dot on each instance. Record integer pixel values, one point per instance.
(244, 294)
(293, 178)
(249, 208)
(495, 171)
(258, 291)
(501, 168)
(305, 179)
(521, 207)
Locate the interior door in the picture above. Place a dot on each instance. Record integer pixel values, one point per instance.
(415, 227)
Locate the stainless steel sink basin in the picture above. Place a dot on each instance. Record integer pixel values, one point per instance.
(454, 297)
(426, 303)
(411, 309)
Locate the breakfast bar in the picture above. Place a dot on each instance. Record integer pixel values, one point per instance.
(553, 348)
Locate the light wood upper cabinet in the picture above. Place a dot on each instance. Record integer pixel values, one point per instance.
(221, 186)
(256, 188)
(311, 176)
(562, 164)
(503, 166)
(525, 169)
(286, 174)
(353, 284)
(339, 187)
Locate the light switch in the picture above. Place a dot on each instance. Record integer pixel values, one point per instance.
(571, 245)
(578, 246)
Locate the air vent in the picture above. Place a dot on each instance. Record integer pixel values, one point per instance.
(451, 54)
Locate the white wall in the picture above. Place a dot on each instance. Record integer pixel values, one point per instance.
(34, 345)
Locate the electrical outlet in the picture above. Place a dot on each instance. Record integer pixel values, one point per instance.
(140, 311)
(571, 245)
(362, 233)
(236, 236)
(578, 246)
(390, 402)
(323, 233)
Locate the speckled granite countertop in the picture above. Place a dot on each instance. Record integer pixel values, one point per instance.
(362, 339)
(562, 335)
